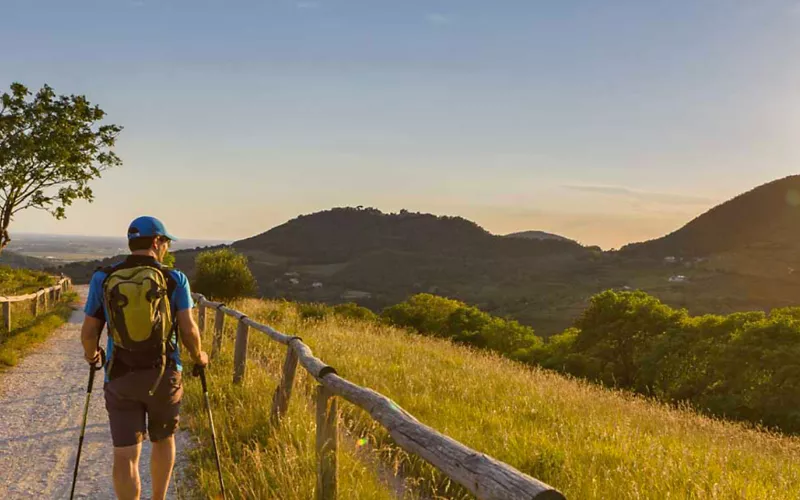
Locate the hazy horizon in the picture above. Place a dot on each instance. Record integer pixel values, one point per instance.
(606, 123)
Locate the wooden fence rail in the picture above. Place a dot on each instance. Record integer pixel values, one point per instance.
(42, 300)
(484, 476)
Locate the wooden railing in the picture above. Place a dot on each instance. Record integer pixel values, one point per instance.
(484, 476)
(41, 300)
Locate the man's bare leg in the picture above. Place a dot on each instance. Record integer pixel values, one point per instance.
(126, 472)
(161, 462)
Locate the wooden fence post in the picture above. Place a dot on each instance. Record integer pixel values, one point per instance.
(219, 326)
(280, 402)
(35, 306)
(240, 352)
(7, 316)
(201, 318)
(327, 444)
(44, 300)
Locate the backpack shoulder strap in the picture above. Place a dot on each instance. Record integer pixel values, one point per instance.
(172, 283)
(108, 270)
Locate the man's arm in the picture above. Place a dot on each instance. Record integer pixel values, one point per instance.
(95, 319)
(190, 336)
(90, 338)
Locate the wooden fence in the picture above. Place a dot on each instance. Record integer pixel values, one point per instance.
(484, 476)
(40, 300)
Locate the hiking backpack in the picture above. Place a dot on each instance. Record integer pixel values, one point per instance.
(140, 321)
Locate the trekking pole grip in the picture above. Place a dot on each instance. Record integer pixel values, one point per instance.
(96, 367)
(200, 371)
(99, 367)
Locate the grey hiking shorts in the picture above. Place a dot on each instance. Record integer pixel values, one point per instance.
(133, 412)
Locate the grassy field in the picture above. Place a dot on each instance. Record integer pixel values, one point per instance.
(27, 332)
(586, 441)
(22, 281)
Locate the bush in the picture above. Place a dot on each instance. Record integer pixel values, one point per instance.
(223, 274)
(314, 312)
(352, 310)
(441, 317)
(22, 281)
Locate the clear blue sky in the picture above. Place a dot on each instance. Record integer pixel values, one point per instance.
(605, 121)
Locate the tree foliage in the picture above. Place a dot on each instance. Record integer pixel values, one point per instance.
(441, 317)
(744, 366)
(51, 147)
(223, 274)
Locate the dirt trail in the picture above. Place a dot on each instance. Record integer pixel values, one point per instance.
(41, 406)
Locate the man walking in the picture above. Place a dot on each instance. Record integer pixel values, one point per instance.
(146, 307)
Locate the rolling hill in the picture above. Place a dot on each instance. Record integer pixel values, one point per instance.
(741, 255)
(18, 260)
(538, 235)
(765, 217)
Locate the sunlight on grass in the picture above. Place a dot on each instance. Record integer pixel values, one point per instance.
(586, 441)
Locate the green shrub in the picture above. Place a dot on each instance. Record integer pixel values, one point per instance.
(22, 281)
(352, 310)
(223, 274)
(314, 311)
(442, 317)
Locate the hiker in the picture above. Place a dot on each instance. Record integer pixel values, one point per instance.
(145, 306)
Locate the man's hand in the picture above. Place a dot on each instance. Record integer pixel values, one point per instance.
(93, 359)
(201, 359)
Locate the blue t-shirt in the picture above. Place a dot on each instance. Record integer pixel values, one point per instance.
(180, 300)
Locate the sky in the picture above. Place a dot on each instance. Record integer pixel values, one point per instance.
(608, 122)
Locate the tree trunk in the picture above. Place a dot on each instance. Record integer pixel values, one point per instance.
(5, 221)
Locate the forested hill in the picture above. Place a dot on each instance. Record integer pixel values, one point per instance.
(342, 234)
(767, 216)
(18, 260)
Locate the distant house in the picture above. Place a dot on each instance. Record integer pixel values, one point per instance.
(677, 279)
(670, 260)
(292, 274)
(294, 281)
(356, 294)
(316, 284)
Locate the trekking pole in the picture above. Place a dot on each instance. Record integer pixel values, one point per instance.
(201, 371)
(92, 368)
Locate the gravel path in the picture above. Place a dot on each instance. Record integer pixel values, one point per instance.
(41, 407)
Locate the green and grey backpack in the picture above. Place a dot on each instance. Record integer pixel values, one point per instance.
(139, 319)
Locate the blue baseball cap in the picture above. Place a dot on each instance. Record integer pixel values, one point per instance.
(146, 226)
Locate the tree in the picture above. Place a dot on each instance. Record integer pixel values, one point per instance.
(223, 274)
(50, 148)
(619, 328)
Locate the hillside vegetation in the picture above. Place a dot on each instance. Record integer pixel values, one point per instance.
(27, 331)
(586, 441)
(744, 366)
(15, 281)
(17, 260)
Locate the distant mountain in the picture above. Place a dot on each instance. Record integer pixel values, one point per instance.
(767, 216)
(342, 234)
(22, 261)
(538, 235)
(742, 255)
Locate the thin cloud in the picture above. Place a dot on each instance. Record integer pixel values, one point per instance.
(622, 192)
(438, 19)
